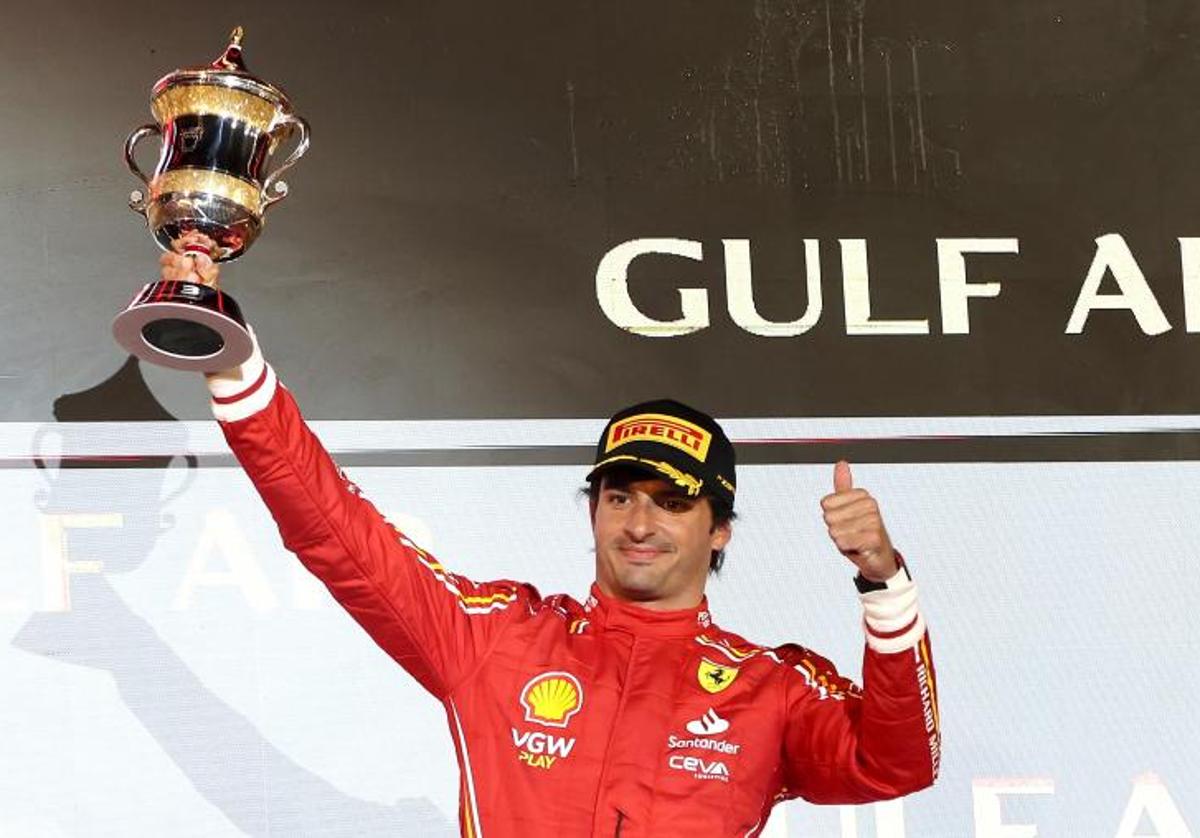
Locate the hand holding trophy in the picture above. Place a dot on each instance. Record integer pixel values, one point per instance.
(221, 127)
(188, 261)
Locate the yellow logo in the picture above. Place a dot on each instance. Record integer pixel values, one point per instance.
(715, 677)
(658, 427)
(552, 698)
(686, 481)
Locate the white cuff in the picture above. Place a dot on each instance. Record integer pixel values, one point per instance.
(244, 390)
(891, 618)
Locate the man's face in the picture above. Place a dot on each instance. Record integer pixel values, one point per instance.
(653, 542)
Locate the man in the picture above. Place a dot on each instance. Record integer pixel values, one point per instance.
(632, 713)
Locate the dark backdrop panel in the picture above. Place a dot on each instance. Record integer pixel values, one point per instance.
(472, 164)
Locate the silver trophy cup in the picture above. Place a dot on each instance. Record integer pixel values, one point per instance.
(221, 132)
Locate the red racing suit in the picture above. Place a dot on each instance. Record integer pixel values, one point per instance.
(598, 718)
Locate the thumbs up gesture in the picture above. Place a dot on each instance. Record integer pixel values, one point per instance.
(856, 526)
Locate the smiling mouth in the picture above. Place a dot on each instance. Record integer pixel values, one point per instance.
(640, 554)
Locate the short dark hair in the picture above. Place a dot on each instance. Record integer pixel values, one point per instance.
(722, 510)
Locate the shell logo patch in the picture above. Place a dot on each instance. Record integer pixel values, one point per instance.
(552, 698)
(715, 677)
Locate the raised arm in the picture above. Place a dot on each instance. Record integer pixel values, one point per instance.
(850, 745)
(434, 623)
(844, 744)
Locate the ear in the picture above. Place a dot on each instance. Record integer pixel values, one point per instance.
(721, 535)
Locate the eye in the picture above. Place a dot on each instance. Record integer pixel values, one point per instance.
(617, 498)
(676, 504)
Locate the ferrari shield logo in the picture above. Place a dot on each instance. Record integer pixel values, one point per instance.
(715, 677)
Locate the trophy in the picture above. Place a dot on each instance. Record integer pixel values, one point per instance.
(221, 129)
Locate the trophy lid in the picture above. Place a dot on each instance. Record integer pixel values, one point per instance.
(227, 70)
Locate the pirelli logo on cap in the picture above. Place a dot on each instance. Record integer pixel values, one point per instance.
(657, 427)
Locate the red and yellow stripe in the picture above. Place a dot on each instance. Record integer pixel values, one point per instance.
(930, 681)
(501, 598)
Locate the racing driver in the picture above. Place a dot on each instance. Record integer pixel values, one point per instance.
(630, 713)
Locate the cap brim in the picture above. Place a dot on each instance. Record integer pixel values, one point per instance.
(654, 468)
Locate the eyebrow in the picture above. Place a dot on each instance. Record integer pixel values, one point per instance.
(673, 492)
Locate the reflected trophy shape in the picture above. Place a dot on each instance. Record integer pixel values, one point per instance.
(221, 129)
(123, 397)
(219, 750)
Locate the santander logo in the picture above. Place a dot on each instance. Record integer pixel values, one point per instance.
(703, 728)
(710, 724)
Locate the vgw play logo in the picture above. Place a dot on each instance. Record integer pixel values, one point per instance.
(550, 700)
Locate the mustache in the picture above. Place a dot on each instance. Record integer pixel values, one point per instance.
(657, 543)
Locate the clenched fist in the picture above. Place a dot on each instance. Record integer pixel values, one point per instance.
(189, 260)
(856, 527)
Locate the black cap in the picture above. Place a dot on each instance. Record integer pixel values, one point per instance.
(667, 438)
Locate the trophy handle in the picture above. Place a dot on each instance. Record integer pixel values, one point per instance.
(138, 200)
(274, 189)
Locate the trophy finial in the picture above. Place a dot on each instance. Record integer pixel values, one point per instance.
(231, 58)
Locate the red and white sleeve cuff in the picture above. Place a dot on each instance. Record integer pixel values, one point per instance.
(891, 619)
(244, 390)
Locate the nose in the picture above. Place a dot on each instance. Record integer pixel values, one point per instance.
(639, 521)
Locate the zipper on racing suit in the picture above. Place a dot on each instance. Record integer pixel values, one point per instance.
(613, 734)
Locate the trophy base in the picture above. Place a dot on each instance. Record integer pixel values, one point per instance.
(184, 326)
